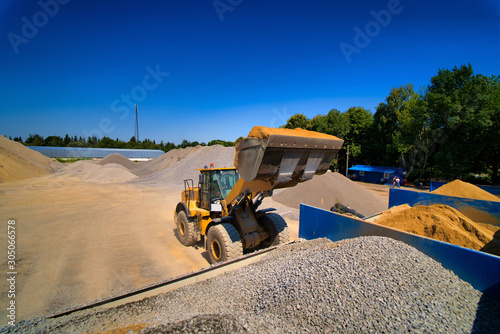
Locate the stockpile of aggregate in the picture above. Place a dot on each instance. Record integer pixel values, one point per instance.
(167, 160)
(90, 171)
(444, 223)
(171, 168)
(17, 162)
(459, 188)
(168, 170)
(119, 159)
(110, 172)
(323, 191)
(361, 285)
(262, 132)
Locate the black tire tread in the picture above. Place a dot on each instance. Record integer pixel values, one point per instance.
(229, 239)
(189, 238)
(279, 224)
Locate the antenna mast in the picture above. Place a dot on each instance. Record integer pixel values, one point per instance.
(136, 134)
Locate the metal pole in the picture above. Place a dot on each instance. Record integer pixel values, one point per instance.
(136, 125)
(347, 163)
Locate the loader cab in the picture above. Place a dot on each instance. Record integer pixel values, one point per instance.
(215, 184)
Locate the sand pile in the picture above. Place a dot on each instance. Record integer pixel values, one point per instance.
(459, 188)
(169, 169)
(443, 223)
(164, 161)
(262, 132)
(110, 172)
(116, 158)
(173, 167)
(326, 190)
(90, 171)
(18, 162)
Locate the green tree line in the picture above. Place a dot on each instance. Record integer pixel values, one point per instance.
(106, 142)
(447, 130)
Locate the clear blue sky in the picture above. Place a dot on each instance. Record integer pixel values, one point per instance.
(201, 70)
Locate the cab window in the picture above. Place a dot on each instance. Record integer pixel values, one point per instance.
(222, 182)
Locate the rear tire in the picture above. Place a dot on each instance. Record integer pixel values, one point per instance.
(277, 227)
(223, 243)
(185, 230)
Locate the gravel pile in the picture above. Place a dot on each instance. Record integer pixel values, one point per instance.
(167, 160)
(173, 167)
(89, 171)
(110, 172)
(116, 158)
(368, 284)
(168, 170)
(323, 191)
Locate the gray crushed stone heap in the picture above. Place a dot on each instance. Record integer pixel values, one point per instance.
(361, 285)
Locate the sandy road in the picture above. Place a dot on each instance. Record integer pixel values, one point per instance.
(78, 242)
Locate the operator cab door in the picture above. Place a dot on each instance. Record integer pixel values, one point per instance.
(210, 191)
(205, 190)
(215, 185)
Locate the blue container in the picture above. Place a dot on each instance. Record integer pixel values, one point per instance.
(479, 211)
(481, 270)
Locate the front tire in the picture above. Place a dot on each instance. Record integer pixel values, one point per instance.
(223, 243)
(185, 230)
(277, 228)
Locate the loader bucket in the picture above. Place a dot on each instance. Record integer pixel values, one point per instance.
(284, 157)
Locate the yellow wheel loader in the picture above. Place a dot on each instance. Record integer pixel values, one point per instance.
(222, 210)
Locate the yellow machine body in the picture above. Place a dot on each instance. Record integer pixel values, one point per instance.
(267, 159)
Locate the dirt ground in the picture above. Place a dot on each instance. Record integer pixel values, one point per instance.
(78, 242)
(383, 189)
(380, 189)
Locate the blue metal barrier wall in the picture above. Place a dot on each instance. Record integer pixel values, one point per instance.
(481, 270)
(490, 189)
(477, 210)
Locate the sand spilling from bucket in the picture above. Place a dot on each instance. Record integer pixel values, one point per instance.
(18, 162)
(261, 132)
(459, 188)
(325, 190)
(116, 158)
(444, 223)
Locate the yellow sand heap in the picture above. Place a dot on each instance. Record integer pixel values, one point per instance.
(459, 188)
(444, 223)
(17, 162)
(262, 132)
